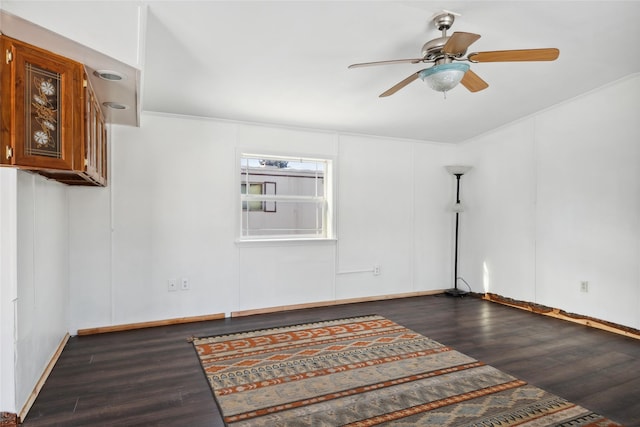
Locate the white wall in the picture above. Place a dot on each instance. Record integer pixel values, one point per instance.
(375, 213)
(555, 200)
(34, 277)
(42, 307)
(172, 207)
(162, 217)
(8, 287)
(90, 254)
(588, 193)
(392, 212)
(171, 211)
(497, 228)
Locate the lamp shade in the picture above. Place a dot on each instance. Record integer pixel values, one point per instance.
(458, 169)
(444, 77)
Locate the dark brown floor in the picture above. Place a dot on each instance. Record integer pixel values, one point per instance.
(151, 377)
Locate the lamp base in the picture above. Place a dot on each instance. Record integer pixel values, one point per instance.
(455, 292)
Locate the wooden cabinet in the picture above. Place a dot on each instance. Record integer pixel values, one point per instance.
(94, 135)
(50, 121)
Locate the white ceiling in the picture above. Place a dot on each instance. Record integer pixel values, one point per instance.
(285, 63)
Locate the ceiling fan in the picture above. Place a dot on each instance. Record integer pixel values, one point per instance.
(447, 53)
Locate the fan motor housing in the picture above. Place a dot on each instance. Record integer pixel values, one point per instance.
(432, 49)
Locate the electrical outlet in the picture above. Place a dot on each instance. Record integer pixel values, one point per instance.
(584, 286)
(376, 270)
(184, 284)
(172, 285)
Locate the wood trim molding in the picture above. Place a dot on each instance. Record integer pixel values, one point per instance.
(152, 324)
(561, 314)
(43, 378)
(523, 305)
(331, 303)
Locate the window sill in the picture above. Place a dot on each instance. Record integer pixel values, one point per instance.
(286, 242)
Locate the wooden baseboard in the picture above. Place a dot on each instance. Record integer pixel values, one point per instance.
(331, 303)
(43, 379)
(177, 321)
(152, 324)
(561, 314)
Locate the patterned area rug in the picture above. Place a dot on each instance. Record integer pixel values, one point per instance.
(368, 371)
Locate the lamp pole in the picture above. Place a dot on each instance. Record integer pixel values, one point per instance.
(457, 171)
(455, 291)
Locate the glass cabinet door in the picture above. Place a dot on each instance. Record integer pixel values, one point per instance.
(45, 95)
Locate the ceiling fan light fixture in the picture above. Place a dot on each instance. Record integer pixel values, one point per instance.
(444, 77)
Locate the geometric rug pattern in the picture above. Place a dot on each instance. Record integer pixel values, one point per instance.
(369, 371)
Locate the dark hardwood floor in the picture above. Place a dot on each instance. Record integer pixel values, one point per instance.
(151, 377)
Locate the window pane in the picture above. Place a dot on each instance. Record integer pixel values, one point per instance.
(291, 219)
(299, 178)
(254, 188)
(286, 197)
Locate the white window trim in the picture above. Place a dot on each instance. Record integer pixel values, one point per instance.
(329, 220)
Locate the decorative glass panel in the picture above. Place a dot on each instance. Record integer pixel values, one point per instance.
(42, 113)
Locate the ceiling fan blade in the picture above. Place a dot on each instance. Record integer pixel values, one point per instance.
(392, 61)
(400, 85)
(459, 42)
(473, 82)
(548, 54)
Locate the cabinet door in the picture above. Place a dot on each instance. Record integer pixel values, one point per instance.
(94, 137)
(46, 96)
(90, 104)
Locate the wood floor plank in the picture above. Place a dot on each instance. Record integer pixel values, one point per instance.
(151, 377)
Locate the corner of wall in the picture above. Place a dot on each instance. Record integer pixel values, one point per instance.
(8, 287)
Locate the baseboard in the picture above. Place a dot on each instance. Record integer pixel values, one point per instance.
(152, 324)
(331, 303)
(561, 314)
(43, 379)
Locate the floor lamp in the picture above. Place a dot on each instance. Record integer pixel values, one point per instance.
(457, 171)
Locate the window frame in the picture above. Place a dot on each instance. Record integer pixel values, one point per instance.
(327, 200)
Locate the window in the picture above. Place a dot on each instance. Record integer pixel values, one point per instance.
(287, 198)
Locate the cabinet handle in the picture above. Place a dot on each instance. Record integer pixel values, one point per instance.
(9, 152)
(8, 56)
